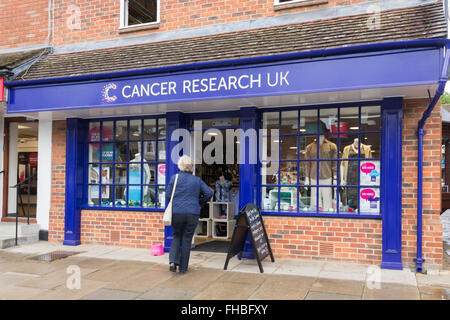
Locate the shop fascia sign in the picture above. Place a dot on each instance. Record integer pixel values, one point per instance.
(192, 86)
(352, 72)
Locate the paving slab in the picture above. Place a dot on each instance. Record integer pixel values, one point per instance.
(220, 290)
(31, 267)
(434, 293)
(193, 280)
(54, 279)
(405, 276)
(14, 278)
(242, 277)
(90, 263)
(350, 276)
(391, 291)
(117, 271)
(300, 268)
(163, 293)
(282, 287)
(218, 262)
(250, 265)
(110, 294)
(313, 295)
(142, 282)
(19, 293)
(442, 280)
(354, 288)
(64, 293)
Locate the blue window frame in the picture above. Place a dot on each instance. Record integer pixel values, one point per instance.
(329, 161)
(126, 159)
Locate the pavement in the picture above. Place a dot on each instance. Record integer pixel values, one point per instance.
(98, 272)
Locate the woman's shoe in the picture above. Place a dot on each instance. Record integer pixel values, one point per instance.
(173, 267)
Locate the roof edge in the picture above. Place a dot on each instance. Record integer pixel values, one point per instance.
(365, 48)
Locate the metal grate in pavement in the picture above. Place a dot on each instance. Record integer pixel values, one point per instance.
(51, 256)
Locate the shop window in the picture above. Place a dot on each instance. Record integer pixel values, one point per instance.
(127, 160)
(139, 12)
(329, 161)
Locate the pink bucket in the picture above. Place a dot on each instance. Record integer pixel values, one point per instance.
(157, 249)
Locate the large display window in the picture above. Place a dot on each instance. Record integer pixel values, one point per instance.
(328, 161)
(127, 163)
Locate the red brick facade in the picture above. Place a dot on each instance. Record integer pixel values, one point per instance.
(92, 20)
(23, 23)
(100, 19)
(351, 240)
(432, 227)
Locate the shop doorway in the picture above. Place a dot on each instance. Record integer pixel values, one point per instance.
(217, 164)
(21, 141)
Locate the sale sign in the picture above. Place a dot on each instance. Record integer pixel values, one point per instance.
(370, 173)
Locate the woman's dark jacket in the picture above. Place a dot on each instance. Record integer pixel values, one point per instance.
(191, 193)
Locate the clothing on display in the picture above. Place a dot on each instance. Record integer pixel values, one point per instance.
(223, 191)
(349, 172)
(135, 178)
(327, 169)
(325, 195)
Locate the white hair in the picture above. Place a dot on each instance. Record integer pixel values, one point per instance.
(185, 163)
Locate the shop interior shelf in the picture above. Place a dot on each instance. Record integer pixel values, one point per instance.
(226, 227)
(222, 210)
(203, 229)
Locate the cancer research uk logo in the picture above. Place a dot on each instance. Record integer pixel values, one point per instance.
(105, 92)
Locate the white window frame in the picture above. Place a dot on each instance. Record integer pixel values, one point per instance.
(278, 3)
(124, 16)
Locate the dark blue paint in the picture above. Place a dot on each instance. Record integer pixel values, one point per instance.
(249, 119)
(391, 183)
(352, 72)
(76, 134)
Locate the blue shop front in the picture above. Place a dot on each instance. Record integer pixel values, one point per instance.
(332, 117)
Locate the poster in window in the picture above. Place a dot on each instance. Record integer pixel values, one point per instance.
(370, 173)
(369, 201)
(94, 176)
(105, 175)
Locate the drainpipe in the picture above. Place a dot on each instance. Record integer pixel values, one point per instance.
(421, 133)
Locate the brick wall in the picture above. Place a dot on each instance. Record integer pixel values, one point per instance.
(100, 19)
(23, 23)
(125, 228)
(57, 206)
(432, 227)
(351, 240)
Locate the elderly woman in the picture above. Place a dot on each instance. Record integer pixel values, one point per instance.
(191, 193)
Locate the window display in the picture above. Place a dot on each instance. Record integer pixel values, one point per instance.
(118, 174)
(324, 164)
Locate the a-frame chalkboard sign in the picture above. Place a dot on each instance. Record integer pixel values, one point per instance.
(250, 220)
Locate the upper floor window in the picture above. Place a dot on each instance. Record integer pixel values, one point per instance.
(286, 2)
(138, 12)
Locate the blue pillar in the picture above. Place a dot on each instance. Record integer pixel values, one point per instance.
(76, 132)
(248, 173)
(391, 192)
(174, 120)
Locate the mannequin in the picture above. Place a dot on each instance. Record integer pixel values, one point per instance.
(327, 172)
(223, 187)
(135, 178)
(349, 170)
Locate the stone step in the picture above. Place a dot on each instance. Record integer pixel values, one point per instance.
(27, 233)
